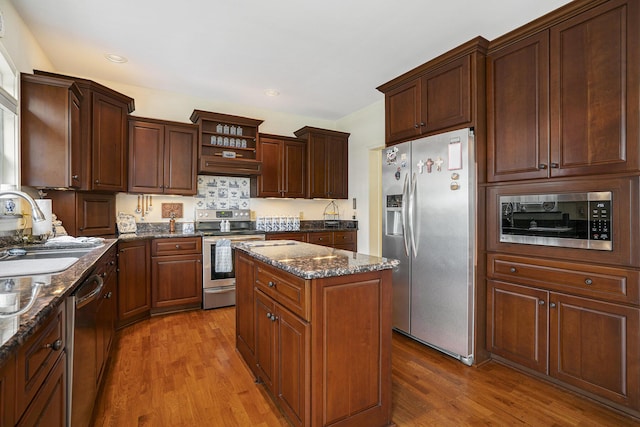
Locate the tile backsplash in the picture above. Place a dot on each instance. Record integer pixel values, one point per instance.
(220, 192)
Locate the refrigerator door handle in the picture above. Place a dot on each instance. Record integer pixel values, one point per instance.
(405, 199)
(412, 205)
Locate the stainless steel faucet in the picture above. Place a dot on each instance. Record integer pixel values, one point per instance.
(38, 216)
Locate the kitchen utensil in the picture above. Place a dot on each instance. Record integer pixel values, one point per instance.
(138, 208)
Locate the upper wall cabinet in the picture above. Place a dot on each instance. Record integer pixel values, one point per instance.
(227, 144)
(162, 157)
(51, 144)
(283, 166)
(439, 95)
(327, 162)
(563, 95)
(103, 118)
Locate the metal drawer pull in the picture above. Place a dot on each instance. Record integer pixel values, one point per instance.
(271, 284)
(552, 305)
(541, 302)
(56, 345)
(177, 246)
(513, 270)
(588, 281)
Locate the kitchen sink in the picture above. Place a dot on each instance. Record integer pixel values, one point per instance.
(28, 262)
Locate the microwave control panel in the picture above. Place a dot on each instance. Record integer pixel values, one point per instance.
(600, 220)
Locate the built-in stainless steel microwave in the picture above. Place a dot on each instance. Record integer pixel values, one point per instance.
(573, 220)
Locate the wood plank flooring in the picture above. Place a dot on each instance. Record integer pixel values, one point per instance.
(182, 370)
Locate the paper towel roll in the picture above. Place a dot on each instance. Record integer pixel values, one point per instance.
(43, 227)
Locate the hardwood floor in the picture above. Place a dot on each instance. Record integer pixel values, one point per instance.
(182, 370)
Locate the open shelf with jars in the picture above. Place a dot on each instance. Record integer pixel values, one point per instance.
(227, 144)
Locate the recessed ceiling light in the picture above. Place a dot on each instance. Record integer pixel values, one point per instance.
(271, 92)
(116, 58)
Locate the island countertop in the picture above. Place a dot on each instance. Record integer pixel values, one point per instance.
(310, 261)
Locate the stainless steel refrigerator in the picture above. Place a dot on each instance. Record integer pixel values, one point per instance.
(429, 189)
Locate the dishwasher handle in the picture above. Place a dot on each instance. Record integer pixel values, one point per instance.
(97, 281)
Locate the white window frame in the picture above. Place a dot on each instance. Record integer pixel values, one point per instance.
(9, 135)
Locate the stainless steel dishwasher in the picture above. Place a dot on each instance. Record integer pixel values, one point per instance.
(81, 346)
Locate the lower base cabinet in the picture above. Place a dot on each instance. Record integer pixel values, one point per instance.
(49, 407)
(347, 240)
(134, 281)
(176, 273)
(322, 347)
(588, 343)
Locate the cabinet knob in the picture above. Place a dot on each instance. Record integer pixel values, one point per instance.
(268, 315)
(422, 123)
(271, 284)
(416, 126)
(588, 281)
(104, 274)
(513, 270)
(541, 302)
(555, 165)
(177, 246)
(552, 304)
(97, 181)
(55, 346)
(542, 166)
(75, 177)
(108, 295)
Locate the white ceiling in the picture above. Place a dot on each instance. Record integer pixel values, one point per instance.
(325, 57)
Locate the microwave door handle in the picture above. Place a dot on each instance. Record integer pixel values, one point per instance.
(412, 205)
(405, 221)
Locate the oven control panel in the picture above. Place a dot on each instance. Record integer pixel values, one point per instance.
(219, 214)
(600, 220)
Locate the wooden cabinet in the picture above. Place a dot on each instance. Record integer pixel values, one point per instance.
(560, 104)
(310, 340)
(176, 273)
(245, 320)
(327, 162)
(51, 143)
(347, 240)
(588, 315)
(85, 213)
(107, 311)
(103, 118)
(41, 378)
(283, 167)
(283, 346)
(437, 96)
(134, 281)
(8, 392)
(162, 157)
(227, 145)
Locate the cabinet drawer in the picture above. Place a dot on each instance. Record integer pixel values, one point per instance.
(176, 246)
(37, 357)
(343, 237)
(300, 237)
(107, 263)
(290, 291)
(615, 284)
(325, 239)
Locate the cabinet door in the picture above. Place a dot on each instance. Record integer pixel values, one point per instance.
(245, 335)
(270, 181)
(518, 110)
(293, 380)
(109, 144)
(337, 168)
(596, 346)
(446, 96)
(8, 392)
(294, 169)
(595, 68)
(317, 165)
(402, 111)
(146, 157)
(517, 324)
(180, 157)
(176, 281)
(265, 332)
(96, 214)
(49, 406)
(134, 284)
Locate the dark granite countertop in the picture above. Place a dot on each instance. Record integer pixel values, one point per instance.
(313, 261)
(54, 290)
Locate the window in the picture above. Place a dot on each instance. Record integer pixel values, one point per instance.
(9, 156)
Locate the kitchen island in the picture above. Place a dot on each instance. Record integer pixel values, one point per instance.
(313, 324)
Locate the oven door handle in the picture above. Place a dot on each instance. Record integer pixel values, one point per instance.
(219, 291)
